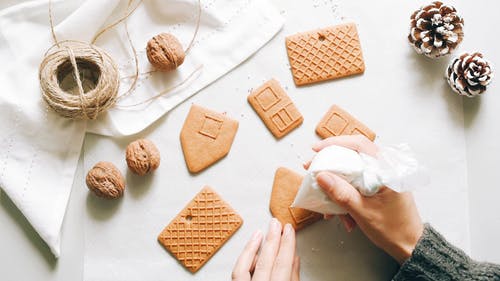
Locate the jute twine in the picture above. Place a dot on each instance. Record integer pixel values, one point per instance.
(79, 80)
(93, 94)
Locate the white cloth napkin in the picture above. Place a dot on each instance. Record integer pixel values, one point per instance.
(40, 150)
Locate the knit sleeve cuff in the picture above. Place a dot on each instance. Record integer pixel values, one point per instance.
(434, 258)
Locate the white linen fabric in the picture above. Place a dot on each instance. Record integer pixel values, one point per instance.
(40, 149)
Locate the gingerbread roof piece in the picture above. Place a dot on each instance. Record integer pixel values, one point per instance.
(325, 54)
(200, 229)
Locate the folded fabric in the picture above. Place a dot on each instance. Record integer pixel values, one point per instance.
(41, 149)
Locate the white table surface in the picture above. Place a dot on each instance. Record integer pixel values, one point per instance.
(24, 256)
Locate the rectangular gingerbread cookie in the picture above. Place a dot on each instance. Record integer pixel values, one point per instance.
(338, 122)
(275, 108)
(200, 229)
(325, 54)
(285, 187)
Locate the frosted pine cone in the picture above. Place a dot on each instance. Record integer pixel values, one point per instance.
(436, 30)
(469, 74)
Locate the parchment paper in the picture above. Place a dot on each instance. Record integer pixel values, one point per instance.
(401, 96)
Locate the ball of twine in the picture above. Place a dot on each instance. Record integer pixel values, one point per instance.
(78, 80)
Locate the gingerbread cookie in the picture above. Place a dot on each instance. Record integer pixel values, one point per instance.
(200, 229)
(338, 122)
(325, 54)
(206, 137)
(285, 187)
(275, 108)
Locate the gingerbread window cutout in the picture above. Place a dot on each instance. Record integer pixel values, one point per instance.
(284, 118)
(211, 126)
(267, 98)
(336, 124)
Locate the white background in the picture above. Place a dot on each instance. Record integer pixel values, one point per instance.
(401, 96)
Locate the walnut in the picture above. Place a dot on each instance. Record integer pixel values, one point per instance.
(105, 180)
(142, 156)
(165, 52)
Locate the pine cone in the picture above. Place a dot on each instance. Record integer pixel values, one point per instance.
(469, 74)
(436, 30)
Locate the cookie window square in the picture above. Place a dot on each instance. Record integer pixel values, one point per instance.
(267, 98)
(285, 117)
(336, 124)
(211, 126)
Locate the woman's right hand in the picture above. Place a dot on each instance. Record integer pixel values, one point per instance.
(389, 219)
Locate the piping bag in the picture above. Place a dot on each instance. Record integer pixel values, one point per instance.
(394, 167)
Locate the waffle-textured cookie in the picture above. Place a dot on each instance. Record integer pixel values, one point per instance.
(275, 108)
(206, 137)
(324, 54)
(200, 229)
(285, 187)
(338, 122)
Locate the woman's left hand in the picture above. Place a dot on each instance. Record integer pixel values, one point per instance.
(276, 261)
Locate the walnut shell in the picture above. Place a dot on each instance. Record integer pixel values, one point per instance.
(165, 52)
(142, 156)
(105, 180)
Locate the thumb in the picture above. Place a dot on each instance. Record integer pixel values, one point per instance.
(340, 191)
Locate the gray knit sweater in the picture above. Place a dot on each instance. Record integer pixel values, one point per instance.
(434, 258)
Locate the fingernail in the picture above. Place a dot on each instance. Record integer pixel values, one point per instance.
(256, 235)
(326, 179)
(288, 229)
(275, 225)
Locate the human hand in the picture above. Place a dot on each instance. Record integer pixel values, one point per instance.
(276, 261)
(389, 219)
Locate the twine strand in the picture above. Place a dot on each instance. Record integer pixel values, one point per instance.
(54, 37)
(128, 14)
(196, 29)
(164, 92)
(76, 76)
(136, 75)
